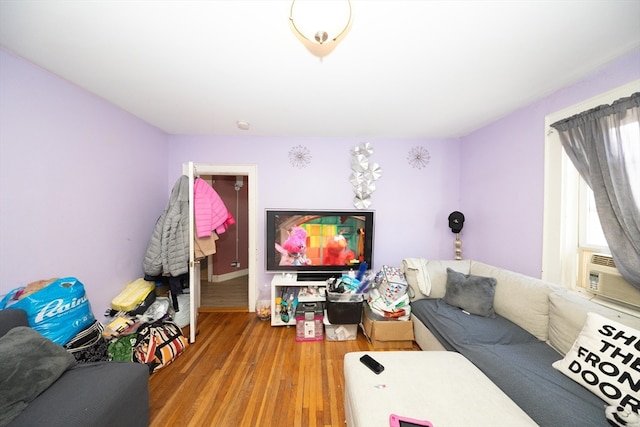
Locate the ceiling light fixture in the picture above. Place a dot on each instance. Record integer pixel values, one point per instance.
(328, 21)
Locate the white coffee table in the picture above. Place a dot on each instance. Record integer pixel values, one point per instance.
(442, 387)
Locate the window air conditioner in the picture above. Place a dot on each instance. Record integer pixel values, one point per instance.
(599, 275)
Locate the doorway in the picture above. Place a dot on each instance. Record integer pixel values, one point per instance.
(250, 184)
(224, 276)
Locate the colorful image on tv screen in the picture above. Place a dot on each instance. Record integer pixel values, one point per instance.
(321, 240)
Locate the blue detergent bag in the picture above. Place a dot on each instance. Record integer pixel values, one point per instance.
(59, 311)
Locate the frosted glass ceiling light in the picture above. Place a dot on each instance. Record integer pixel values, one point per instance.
(320, 25)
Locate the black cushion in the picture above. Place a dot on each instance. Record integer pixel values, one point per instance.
(12, 317)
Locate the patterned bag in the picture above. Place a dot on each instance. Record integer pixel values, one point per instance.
(121, 349)
(89, 345)
(158, 344)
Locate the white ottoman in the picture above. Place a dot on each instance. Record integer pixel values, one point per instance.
(442, 387)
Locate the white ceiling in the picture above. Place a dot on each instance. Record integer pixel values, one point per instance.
(405, 69)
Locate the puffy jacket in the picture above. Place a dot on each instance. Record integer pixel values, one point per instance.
(210, 212)
(168, 248)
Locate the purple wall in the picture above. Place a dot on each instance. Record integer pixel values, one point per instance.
(81, 184)
(411, 204)
(502, 174)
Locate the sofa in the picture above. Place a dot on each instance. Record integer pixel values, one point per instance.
(520, 332)
(41, 383)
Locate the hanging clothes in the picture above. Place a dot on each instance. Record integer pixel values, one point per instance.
(205, 246)
(210, 212)
(168, 248)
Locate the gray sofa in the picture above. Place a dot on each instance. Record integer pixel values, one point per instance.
(91, 394)
(535, 324)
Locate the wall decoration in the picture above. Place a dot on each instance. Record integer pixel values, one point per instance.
(418, 157)
(299, 156)
(456, 222)
(363, 175)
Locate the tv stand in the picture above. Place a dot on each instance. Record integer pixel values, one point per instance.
(316, 277)
(308, 289)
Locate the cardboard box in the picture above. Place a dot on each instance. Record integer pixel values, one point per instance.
(387, 333)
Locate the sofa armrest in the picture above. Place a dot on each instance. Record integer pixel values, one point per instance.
(12, 317)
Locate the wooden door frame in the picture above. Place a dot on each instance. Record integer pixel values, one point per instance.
(251, 172)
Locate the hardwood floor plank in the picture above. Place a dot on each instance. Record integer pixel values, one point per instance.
(241, 371)
(231, 294)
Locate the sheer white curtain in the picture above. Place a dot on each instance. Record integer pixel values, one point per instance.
(604, 146)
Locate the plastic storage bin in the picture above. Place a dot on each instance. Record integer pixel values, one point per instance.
(344, 309)
(309, 317)
(339, 332)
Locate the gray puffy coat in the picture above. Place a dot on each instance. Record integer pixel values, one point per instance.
(168, 249)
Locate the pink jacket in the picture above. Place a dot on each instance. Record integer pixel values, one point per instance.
(209, 210)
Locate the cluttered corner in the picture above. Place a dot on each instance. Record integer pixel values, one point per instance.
(139, 327)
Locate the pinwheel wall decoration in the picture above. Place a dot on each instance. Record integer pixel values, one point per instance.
(418, 157)
(299, 156)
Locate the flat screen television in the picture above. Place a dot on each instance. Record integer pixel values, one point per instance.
(318, 242)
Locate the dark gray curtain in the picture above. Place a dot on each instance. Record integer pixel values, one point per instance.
(599, 145)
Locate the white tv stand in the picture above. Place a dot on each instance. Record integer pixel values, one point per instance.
(310, 291)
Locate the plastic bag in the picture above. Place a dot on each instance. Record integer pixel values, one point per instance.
(391, 284)
(399, 309)
(121, 349)
(59, 311)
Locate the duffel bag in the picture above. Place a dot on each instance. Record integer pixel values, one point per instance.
(158, 344)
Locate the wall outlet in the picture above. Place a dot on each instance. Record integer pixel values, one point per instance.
(235, 264)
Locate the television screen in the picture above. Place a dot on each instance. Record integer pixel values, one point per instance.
(318, 241)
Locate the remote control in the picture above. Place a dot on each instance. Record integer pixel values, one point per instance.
(372, 364)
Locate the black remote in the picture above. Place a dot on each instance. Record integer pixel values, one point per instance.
(372, 364)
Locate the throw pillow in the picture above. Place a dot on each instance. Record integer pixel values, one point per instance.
(29, 364)
(605, 359)
(474, 294)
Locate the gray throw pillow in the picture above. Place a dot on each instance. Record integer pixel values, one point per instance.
(29, 364)
(471, 293)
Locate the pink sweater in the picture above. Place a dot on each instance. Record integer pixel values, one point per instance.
(209, 210)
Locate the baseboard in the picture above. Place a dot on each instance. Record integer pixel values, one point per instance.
(228, 276)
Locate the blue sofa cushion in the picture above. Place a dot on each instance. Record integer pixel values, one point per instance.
(515, 361)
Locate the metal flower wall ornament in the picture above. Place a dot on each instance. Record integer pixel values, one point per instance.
(418, 157)
(363, 175)
(299, 156)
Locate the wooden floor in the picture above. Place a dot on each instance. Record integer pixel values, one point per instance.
(241, 371)
(231, 295)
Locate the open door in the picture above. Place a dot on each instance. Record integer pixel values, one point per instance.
(193, 170)
(194, 266)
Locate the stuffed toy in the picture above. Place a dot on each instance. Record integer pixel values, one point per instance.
(294, 250)
(336, 252)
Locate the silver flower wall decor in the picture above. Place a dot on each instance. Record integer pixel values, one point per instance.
(299, 156)
(418, 157)
(363, 175)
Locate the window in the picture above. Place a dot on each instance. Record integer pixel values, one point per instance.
(589, 229)
(570, 217)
